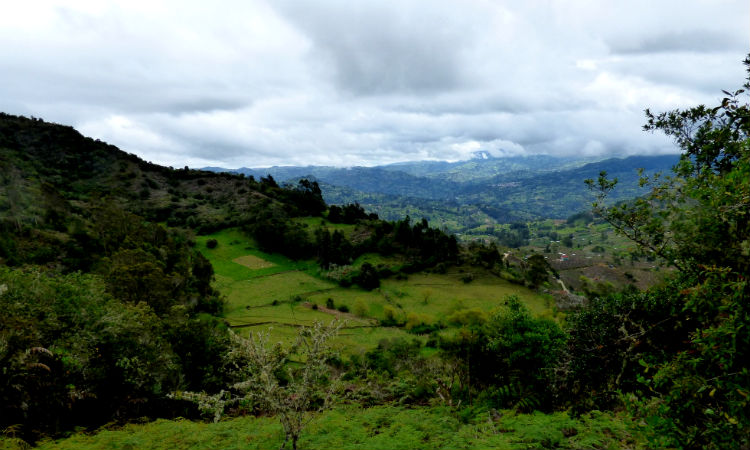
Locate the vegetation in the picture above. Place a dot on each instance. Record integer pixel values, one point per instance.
(466, 195)
(112, 311)
(377, 427)
(694, 385)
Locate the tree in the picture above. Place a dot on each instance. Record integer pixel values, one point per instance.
(698, 216)
(368, 277)
(696, 394)
(287, 382)
(536, 270)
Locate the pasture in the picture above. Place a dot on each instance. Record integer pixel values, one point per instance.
(269, 292)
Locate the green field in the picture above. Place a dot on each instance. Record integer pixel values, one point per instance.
(381, 427)
(271, 292)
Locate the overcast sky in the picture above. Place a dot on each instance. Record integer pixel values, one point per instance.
(290, 82)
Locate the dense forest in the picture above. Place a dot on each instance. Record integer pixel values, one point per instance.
(110, 311)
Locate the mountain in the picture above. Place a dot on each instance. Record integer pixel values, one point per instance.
(484, 165)
(558, 194)
(463, 195)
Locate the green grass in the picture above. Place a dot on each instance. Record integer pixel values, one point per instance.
(435, 294)
(278, 298)
(382, 427)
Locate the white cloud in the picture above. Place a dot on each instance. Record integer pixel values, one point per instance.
(261, 82)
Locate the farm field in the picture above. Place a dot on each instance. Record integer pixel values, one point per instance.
(268, 292)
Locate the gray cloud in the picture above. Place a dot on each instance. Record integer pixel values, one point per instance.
(386, 47)
(260, 82)
(693, 41)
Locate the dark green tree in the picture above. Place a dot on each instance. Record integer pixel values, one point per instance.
(697, 220)
(536, 270)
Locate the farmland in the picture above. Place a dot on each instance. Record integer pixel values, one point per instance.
(277, 294)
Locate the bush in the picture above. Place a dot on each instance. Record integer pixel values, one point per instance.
(360, 308)
(212, 243)
(513, 354)
(368, 277)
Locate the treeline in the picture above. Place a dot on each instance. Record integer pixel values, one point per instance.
(420, 246)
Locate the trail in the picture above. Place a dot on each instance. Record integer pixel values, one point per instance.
(273, 274)
(563, 285)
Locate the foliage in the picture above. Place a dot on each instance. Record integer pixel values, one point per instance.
(333, 248)
(380, 427)
(368, 277)
(610, 337)
(536, 270)
(350, 213)
(695, 394)
(700, 398)
(72, 354)
(271, 379)
(511, 356)
(272, 228)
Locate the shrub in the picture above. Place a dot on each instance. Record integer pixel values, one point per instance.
(360, 308)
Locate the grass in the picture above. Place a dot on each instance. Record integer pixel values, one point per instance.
(268, 292)
(437, 295)
(382, 427)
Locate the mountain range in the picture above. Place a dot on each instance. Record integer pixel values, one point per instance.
(463, 195)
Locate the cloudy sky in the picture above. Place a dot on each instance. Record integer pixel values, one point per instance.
(342, 82)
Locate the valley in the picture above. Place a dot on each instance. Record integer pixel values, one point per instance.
(465, 196)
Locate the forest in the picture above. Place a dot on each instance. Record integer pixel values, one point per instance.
(117, 306)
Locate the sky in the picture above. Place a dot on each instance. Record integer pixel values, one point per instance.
(254, 83)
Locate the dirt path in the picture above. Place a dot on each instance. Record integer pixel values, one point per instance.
(340, 314)
(274, 274)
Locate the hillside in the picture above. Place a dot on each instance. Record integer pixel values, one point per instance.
(484, 166)
(108, 301)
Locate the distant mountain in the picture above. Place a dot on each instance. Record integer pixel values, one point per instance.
(558, 194)
(484, 165)
(465, 194)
